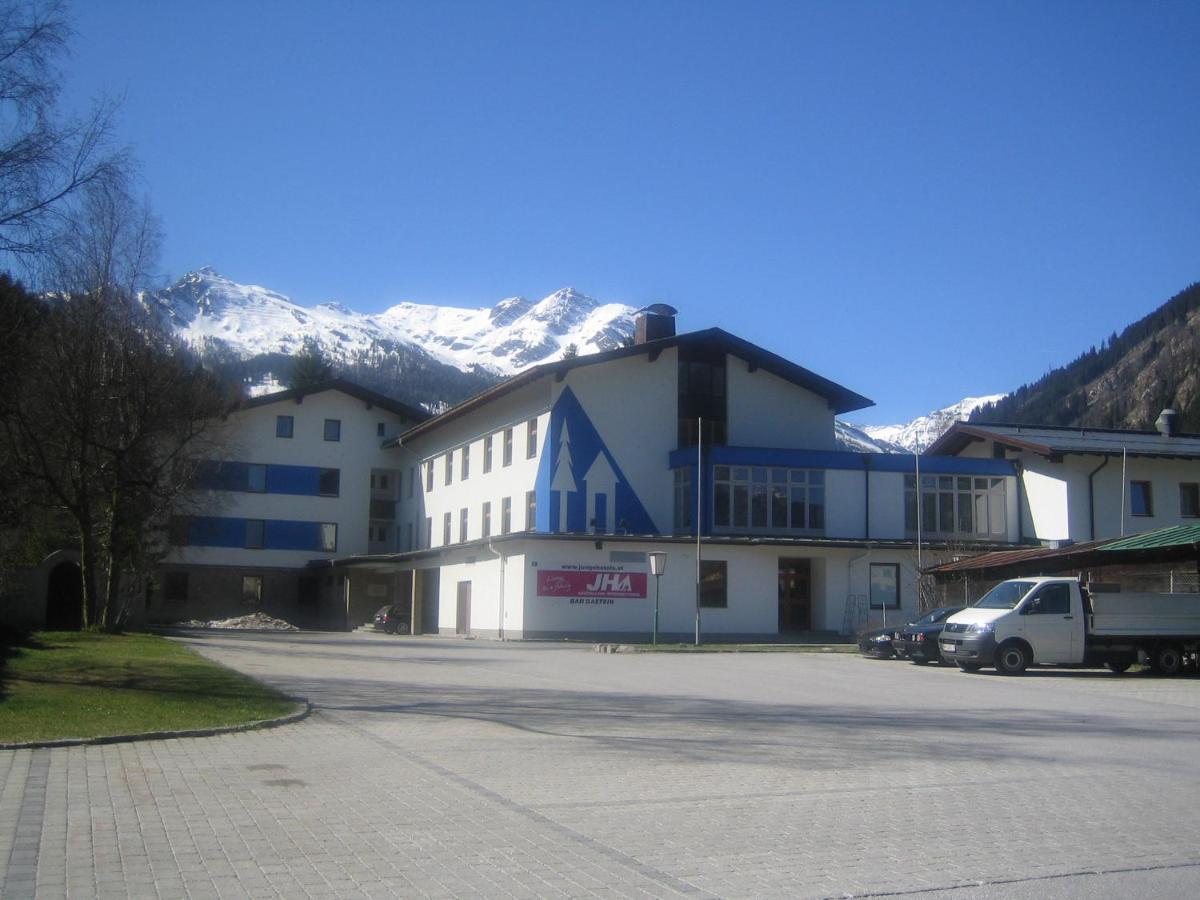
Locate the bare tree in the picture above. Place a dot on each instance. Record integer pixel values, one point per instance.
(45, 158)
(109, 415)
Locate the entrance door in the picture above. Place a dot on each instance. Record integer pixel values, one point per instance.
(462, 619)
(795, 595)
(64, 598)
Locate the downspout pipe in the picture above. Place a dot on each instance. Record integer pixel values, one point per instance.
(503, 559)
(1092, 498)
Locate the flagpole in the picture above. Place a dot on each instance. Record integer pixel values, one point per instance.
(699, 492)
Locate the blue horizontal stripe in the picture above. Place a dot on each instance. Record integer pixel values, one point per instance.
(230, 531)
(302, 481)
(841, 459)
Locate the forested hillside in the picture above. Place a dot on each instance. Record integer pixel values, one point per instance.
(1124, 383)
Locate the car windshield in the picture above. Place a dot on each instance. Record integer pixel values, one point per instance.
(1005, 595)
(937, 615)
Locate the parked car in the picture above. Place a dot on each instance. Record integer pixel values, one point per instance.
(392, 619)
(878, 644)
(919, 640)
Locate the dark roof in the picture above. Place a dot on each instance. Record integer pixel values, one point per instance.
(1173, 544)
(1050, 440)
(842, 399)
(346, 387)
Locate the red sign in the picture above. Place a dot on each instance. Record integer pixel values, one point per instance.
(591, 583)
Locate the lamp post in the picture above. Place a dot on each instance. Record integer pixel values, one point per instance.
(658, 565)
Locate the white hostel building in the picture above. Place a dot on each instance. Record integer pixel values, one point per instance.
(303, 477)
(530, 510)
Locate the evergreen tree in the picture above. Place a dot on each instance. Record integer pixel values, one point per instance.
(310, 366)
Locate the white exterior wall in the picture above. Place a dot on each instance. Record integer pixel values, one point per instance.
(838, 576)
(766, 411)
(887, 505)
(846, 504)
(513, 410)
(251, 439)
(633, 403)
(1046, 498)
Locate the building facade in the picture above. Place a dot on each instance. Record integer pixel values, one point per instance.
(303, 476)
(530, 510)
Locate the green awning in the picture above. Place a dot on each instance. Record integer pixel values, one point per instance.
(1160, 539)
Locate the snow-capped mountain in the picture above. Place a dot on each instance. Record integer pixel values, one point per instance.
(204, 307)
(923, 430)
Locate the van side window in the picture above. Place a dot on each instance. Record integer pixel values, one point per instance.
(1055, 600)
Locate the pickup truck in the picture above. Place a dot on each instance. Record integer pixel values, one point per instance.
(1057, 621)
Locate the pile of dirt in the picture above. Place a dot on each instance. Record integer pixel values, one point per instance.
(252, 622)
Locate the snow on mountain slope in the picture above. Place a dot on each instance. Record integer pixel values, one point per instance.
(924, 430)
(855, 439)
(504, 339)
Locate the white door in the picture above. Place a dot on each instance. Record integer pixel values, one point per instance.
(1051, 625)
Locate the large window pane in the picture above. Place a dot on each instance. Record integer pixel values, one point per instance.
(799, 520)
(758, 506)
(816, 507)
(721, 505)
(714, 584)
(885, 586)
(741, 506)
(779, 506)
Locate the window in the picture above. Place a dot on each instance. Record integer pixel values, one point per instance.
(255, 529)
(380, 429)
(701, 397)
(530, 511)
(383, 482)
(252, 590)
(446, 529)
(714, 584)
(758, 498)
(1053, 600)
(506, 515)
(428, 531)
(177, 531)
(449, 468)
(284, 426)
(1189, 500)
(683, 500)
(329, 536)
(333, 429)
(507, 457)
(256, 478)
(175, 587)
(1141, 501)
(466, 462)
(885, 586)
(462, 524)
(412, 479)
(329, 482)
(408, 536)
(957, 505)
(487, 453)
(429, 476)
(486, 520)
(531, 439)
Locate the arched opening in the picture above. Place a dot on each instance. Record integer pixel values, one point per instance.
(64, 598)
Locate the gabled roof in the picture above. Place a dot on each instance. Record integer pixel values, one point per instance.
(346, 387)
(841, 399)
(1050, 441)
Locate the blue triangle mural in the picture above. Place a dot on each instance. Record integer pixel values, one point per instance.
(579, 481)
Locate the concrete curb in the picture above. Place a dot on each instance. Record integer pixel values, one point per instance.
(296, 716)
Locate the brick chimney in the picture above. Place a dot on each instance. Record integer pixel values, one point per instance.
(654, 322)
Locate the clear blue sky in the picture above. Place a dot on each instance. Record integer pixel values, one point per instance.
(920, 200)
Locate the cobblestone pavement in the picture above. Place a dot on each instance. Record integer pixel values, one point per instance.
(450, 768)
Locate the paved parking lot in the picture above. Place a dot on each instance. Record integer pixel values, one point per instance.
(449, 768)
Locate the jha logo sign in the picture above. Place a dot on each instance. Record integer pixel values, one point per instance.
(591, 583)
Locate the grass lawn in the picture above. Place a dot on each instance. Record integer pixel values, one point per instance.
(66, 684)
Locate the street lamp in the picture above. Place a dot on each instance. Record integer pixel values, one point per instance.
(658, 565)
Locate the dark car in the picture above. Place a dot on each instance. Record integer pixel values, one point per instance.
(919, 640)
(392, 619)
(879, 644)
